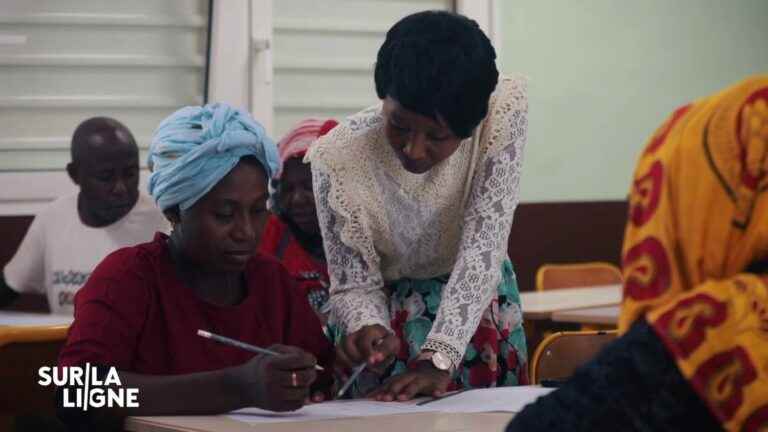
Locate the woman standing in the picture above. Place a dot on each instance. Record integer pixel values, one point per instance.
(415, 198)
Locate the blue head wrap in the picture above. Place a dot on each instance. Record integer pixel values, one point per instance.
(195, 147)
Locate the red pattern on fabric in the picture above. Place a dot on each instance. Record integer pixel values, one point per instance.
(646, 193)
(757, 421)
(398, 323)
(661, 135)
(297, 260)
(685, 325)
(721, 379)
(486, 343)
(649, 274)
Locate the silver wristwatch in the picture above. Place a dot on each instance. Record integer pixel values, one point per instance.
(439, 360)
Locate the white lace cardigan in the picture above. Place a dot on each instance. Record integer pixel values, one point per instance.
(381, 223)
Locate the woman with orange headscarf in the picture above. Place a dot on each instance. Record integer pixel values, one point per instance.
(292, 233)
(694, 348)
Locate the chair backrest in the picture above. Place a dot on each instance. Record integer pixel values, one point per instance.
(557, 276)
(560, 354)
(23, 350)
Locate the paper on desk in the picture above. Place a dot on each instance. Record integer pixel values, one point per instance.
(504, 399)
(21, 319)
(327, 410)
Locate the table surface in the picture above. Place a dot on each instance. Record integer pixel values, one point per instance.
(542, 304)
(608, 315)
(27, 319)
(422, 422)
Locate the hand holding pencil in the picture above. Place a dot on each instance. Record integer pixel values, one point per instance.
(372, 347)
(280, 379)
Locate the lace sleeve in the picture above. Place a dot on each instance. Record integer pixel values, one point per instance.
(487, 222)
(357, 289)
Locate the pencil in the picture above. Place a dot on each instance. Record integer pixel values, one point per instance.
(356, 373)
(358, 370)
(236, 343)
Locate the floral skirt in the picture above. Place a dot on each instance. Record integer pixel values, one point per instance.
(496, 354)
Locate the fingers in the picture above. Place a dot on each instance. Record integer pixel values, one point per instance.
(388, 391)
(296, 394)
(292, 389)
(293, 359)
(288, 399)
(298, 378)
(388, 348)
(408, 385)
(441, 388)
(342, 359)
(398, 386)
(413, 388)
(369, 345)
(351, 348)
(360, 345)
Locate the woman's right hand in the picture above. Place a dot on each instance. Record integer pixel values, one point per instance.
(373, 344)
(277, 383)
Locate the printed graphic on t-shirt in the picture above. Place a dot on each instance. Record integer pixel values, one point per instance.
(66, 283)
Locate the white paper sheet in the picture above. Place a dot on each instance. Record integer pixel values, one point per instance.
(505, 399)
(328, 410)
(13, 318)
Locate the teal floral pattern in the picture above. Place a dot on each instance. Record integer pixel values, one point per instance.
(497, 353)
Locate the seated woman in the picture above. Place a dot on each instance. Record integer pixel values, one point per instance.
(292, 233)
(694, 350)
(141, 308)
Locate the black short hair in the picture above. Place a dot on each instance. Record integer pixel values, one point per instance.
(439, 64)
(106, 127)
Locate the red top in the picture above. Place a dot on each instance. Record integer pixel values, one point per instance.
(310, 273)
(134, 313)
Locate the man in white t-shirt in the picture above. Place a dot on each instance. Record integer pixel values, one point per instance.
(71, 236)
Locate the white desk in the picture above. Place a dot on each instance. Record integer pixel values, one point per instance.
(479, 409)
(605, 315)
(540, 305)
(26, 319)
(422, 422)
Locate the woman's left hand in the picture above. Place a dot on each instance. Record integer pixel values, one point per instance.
(423, 379)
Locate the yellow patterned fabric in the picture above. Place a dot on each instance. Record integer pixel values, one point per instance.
(698, 217)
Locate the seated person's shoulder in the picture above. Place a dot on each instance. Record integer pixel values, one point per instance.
(130, 259)
(62, 208)
(129, 269)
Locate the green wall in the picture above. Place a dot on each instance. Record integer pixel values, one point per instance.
(604, 74)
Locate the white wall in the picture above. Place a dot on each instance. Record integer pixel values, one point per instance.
(604, 74)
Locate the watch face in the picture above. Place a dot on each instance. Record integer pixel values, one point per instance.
(441, 361)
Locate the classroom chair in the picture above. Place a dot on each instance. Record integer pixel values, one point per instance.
(561, 353)
(23, 350)
(558, 276)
